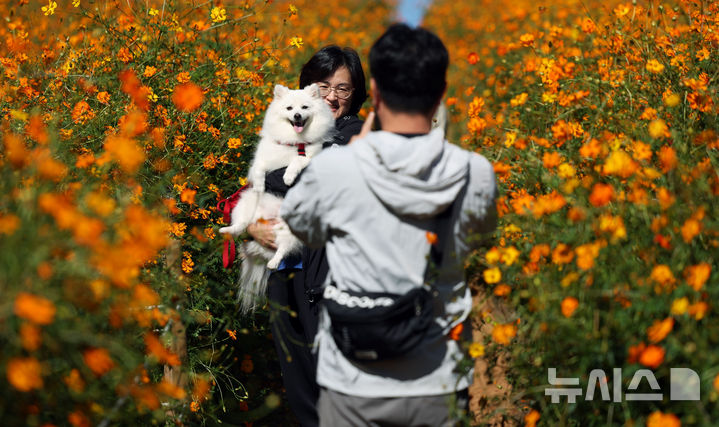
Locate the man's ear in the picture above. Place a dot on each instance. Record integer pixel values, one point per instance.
(374, 93)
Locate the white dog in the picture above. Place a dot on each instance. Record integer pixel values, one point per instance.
(296, 124)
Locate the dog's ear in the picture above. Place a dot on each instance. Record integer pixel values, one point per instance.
(280, 91)
(313, 90)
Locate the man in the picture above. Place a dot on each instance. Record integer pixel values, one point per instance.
(375, 204)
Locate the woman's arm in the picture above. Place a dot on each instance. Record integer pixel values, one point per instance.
(263, 232)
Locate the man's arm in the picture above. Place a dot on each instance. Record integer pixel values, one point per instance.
(304, 211)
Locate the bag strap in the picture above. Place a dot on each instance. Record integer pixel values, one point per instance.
(441, 227)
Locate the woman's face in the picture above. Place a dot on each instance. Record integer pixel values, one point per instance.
(340, 78)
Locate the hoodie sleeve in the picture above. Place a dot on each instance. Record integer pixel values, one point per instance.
(303, 209)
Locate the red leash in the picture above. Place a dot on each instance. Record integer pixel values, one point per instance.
(226, 205)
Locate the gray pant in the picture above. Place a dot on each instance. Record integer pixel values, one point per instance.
(339, 410)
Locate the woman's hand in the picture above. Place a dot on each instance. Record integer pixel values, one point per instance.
(263, 232)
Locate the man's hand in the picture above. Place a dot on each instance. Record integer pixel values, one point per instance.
(263, 232)
(366, 127)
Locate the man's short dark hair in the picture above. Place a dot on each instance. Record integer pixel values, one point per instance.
(409, 66)
(326, 61)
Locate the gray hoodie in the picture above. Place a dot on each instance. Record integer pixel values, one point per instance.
(372, 204)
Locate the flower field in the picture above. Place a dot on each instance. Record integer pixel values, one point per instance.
(601, 121)
(124, 123)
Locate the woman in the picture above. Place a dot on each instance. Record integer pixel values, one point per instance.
(297, 283)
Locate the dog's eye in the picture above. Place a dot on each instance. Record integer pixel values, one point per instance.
(305, 107)
(289, 108)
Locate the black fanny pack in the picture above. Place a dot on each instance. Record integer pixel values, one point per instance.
(370, 326)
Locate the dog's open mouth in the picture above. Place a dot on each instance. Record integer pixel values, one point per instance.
(298, 125)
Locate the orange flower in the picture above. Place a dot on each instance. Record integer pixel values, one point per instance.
(82, 112)
(38, 310)
(620, 163)
(9, 223)
(601, 194)
(562, 254)
(456, 332)
(526, 39)
(188, 196)
(569, 305)
(431, 237)
(74, 381)
(30, 337)
(125, 151)
(24, 374)
(187, 97)
(652, 356)
(551, 159)
(660, 419)
(247, 366)
(666, 198)
(503, 334)
(663, 275)
(697, 275)
(98, 360)
(157, 350)
(667, 158)
(660, 329)
(15, 150)
(171, 390)
(698, 310)
(530, 420)
(691, 229)
(103, 97)
(472, 58)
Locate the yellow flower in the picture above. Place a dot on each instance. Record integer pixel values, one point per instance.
(293, 10)
(566, 171)
(679, 306)
(672, 100)
(569, 279)
(153, 11)
(658, 128)
(519, 99)
(50, 8)
(493, 256)
(510, 255)
(76, 3)
(218, 14)
(296, 42)
(654, 66)
(492, 275)
(476, 350)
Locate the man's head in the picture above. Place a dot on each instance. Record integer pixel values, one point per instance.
(409, 67)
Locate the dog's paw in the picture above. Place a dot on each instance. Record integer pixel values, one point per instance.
(274, 263)
(227, 230)
(289, 178)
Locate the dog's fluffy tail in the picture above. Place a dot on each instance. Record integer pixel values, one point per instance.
(254, 274)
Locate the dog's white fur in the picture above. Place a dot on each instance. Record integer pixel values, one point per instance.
(293, 116)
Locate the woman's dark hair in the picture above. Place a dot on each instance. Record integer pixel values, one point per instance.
(326, 61)
(409, 66)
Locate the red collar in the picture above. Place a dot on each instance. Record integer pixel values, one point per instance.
(299, 144)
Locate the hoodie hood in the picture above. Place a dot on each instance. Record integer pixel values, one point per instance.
(416, 177)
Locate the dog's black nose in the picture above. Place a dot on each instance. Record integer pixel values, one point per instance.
(298, 117)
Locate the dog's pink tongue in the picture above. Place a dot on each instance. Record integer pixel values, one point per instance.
(298, 129)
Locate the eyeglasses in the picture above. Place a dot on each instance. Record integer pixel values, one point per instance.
(342, 92)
